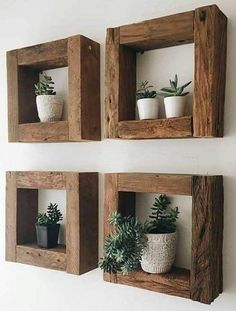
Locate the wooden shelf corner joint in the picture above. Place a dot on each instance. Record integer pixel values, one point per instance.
(204, 281)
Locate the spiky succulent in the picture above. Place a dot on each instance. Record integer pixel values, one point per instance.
(45, 86)
(174, 90)
(144, 91)
(52, 216)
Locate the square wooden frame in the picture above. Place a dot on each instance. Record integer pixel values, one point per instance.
(203, 282)
(81, 251)
(206, 27)
(82, 57)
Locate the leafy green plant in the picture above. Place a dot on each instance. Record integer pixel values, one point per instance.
(144, 91)
(45, 86)
(124, 246)
(163, 217)
(52, 216)
(174, 90)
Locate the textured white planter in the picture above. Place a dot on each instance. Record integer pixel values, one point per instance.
(175, 106)
(159, 255)
(49, 107)
(148, 108)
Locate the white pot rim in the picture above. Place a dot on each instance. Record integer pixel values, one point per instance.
(148, 98)
(151, 234)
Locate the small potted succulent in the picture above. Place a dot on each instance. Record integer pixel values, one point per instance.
(148, 104)
(159, 254)
(174, 98)
(47, 227)
(49, 105)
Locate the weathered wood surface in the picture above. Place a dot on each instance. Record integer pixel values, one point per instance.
(160, 128)
(47, 258)
(158, 33)
(210, 38)
(207, 238)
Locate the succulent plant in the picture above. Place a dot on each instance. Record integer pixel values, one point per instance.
(52, 216)
(174, 90)
(144, 91)
(45, 86)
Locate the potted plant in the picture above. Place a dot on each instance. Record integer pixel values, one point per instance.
(124, 246)
(148, 104)
(174, 98)
(49, 105)
(159, 254)
(47, 227)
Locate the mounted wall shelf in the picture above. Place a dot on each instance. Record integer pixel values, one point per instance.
(206, 27)
(82, 57)
(203, 282)
(80, 254)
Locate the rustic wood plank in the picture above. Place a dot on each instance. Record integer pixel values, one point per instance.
(12, 90)
(160, 128)
(47, 258)
(161, 183)
(41, 180)
(44, 131)
(11, 216)
(158, 33)
(44, 56)
(207, 238)
(210, 37)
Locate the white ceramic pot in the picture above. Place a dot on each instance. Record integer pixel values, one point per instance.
(175, 106)
(49, 107)
(159, 255)
(148, 108)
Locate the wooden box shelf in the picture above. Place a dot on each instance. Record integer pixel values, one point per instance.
(206, 27)
(80, 254)
(82, 57)
(204, 281)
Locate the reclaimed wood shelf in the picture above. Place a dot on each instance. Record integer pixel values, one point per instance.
(80, 254)
(204, 281)
(122, 45)
(82, 57)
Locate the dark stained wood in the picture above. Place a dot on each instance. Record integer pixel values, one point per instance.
(158, 33)
(210, 36)
(207, 238)
(160, 128)
(44, 131)
(160, 183)
(31, 254)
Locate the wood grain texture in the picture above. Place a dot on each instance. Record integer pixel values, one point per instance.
(158, 33)
(44, 132)
(41, 180)
(176, 282)
(160, 183)
(207, 238)
(47, 258)
(210, 37)
(160, 128)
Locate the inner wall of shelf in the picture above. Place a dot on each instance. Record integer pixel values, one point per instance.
(54, 196)
(158, 66)
(144, 202)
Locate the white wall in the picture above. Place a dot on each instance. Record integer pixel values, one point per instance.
(24, 23)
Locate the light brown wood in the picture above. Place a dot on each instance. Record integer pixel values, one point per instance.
(47, 258)
(210, 36)
(160, 128)
(160, 183)
(158, 33)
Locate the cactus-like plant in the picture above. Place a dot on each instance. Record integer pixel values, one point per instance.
(144, 91)
(45, 86)
(52, 216)
(174, 90)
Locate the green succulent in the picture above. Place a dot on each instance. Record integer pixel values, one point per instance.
(52, 216)
(174, 90)
(45, 86)
(144, 91)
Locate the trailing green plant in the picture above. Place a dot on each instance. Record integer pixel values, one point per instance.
(163, 216)
(45, 86)
(124, 246)
(52, 216)
(174, 90)
(144, 91)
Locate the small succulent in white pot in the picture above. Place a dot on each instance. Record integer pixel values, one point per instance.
(174, 98)
(148, 104)
(159, 254)
(49, 105)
